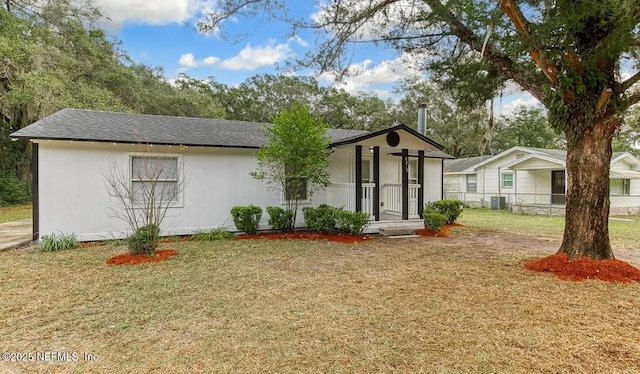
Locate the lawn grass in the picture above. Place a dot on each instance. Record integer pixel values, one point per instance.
(424, 305)
(623, 234)
(14, 212)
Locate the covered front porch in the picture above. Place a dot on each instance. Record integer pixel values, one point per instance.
(389, 174)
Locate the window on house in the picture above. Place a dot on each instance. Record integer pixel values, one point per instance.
(472, 183)
(295, 187)
(367, 176)
(154, 179)
(620, 186)
(626, 187)
(413, 171)
(507, 180)
(519, 155)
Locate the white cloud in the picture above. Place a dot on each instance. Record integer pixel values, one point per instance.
(392, 16)
(519, 99)
(361, 76)
(252, 58)
(301, 42)
(188, 60)
(153, 12)
(210, 60)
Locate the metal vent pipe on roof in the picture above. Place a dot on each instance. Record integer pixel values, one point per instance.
(422, 119)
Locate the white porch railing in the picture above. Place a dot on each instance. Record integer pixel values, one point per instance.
(392, 197)
(344, 195)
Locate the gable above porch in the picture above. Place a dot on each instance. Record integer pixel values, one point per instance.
(394, 139)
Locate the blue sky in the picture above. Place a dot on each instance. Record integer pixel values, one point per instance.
(162, 33)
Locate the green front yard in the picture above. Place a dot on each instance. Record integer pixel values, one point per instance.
(624, 233)
(14, 212)
(450, 305)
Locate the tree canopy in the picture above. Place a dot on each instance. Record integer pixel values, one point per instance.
(296, 159)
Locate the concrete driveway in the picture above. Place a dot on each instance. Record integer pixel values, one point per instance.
(15, 234)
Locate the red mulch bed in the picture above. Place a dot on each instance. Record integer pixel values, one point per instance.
(444, 231)
(127, 258)
(332, 237)
(584, 268)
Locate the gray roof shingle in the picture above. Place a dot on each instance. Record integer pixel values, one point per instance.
(92, 125)
(461, 164)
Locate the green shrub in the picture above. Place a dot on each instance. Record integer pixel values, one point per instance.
(353, 223)
(144, 241)
(219, 233)
(321, 218)
(13, 190)
(246, 218)
(434, 220)
(54, 243)
(280, 219)
(451, 209)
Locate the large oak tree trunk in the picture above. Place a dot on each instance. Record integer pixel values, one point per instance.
(586, 231)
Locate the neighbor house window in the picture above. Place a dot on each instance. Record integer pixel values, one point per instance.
(620, 186)
(507, 180)
(626, 187)
(472, 183)
(154, 179)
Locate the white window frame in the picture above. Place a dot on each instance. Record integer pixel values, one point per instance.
(283, 195)
(411, 161)
(502, 183)
(475, 184)
(626, 187)
(179, 202)
(414, 162)
(352, 171)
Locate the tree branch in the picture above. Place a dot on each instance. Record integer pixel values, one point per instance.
(506, 65)
(630, 82)
(213, 18)
(603, 100)
(634, 98)
(522, 25)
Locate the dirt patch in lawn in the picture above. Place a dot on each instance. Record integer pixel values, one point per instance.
(443, 233)
(585, 268)
(306, 235)
(129, 259)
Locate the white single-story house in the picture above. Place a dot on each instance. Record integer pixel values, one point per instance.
(388, 174)
(532, 180)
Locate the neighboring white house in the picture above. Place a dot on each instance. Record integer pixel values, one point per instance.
(72, 150)
(532, 180)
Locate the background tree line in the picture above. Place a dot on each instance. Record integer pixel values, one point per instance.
(51, 57)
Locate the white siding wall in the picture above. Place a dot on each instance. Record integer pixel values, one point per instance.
(432, 180)
(75, 199)
(73, 196)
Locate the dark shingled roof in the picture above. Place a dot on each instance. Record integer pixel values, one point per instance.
(461, 164)
(92, 125)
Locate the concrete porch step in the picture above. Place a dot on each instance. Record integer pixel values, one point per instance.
(397, 231)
